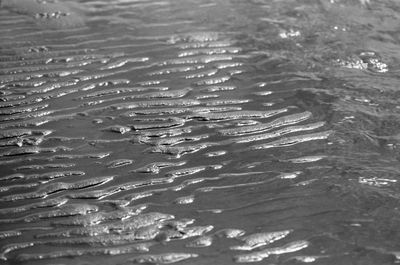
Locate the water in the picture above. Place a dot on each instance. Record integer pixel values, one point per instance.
(199, 132)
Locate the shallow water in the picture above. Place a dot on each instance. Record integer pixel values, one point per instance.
(199, 132)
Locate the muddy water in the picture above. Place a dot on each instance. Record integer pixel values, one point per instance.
(199, 132)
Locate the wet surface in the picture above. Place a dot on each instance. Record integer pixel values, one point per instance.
(199, 132)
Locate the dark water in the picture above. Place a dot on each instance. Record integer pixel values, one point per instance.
(199, 132)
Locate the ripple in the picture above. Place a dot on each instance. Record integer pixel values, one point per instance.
(148, 132)
(260, 255)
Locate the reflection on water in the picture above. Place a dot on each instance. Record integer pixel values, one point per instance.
(199, 132)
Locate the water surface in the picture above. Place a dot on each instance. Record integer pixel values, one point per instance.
(199, 132)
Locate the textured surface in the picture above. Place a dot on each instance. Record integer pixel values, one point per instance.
(199, 132)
